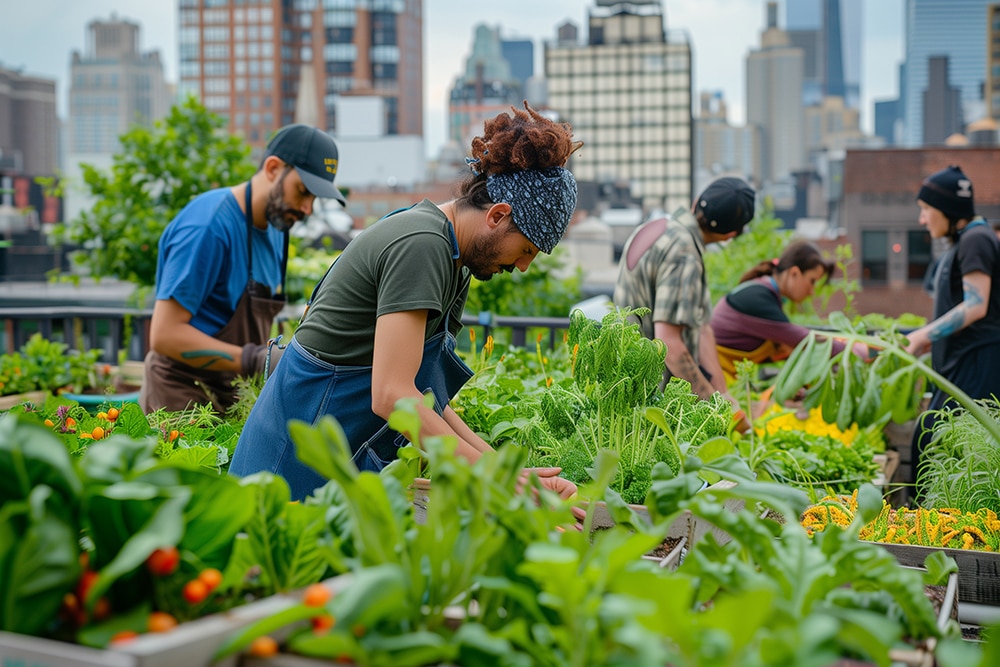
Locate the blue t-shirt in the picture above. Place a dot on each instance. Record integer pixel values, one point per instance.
(203, 259)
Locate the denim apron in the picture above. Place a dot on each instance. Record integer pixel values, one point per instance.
(307, 388)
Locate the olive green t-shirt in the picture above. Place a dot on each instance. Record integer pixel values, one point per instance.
(405, 261)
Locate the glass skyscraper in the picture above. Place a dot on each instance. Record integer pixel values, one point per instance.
(953, 28)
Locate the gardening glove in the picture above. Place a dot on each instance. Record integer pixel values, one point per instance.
(253, 358)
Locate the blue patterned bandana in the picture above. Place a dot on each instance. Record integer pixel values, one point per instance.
(542, 202)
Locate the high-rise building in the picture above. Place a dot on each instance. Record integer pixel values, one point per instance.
(942, 104)
(28, 125)
(992, 92)
(720, 148)
(774, 101)
(829, 34)
(520, 55)
(244, 60)
(953, 28)
(113, 86)
(486, 88)
(627, 93)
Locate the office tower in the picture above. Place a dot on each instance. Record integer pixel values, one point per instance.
(953, 28)
(244, 60)
(28, 125)
(520, 55)
(627, 93)
(721, 148)
(829, 34)
(992, 92)
(485, 89)
(942, 104)
(774, 101)
(113, 86)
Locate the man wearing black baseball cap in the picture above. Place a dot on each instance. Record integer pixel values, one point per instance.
(662, 269)
(220, 273)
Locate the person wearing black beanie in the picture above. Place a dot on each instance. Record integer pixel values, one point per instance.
(966, 326)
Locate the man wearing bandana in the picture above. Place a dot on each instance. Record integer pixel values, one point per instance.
(381, 324)
(220, 273)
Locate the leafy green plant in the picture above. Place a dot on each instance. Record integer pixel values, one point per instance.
(43, 364)
(959, 465)
(547, 289)
(155, 174)
(849, 390)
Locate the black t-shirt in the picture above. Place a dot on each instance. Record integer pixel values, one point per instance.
(757, 299)
(977, 250)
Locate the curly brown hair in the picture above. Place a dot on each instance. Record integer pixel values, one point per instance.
(526, 140)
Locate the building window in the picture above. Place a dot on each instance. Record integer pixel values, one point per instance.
(918, 257)
(874, 257)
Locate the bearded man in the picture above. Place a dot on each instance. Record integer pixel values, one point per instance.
(220, 273)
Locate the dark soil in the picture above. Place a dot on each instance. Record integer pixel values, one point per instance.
(665, 547)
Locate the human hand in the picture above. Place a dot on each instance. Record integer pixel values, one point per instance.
(863, 352)
(919, 343)
(549, 479)
(252, 359)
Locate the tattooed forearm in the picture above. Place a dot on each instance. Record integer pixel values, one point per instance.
(947, 324)
(682, 365)
(955, 319)
(210, 357)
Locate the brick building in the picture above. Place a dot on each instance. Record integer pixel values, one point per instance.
(879, 213)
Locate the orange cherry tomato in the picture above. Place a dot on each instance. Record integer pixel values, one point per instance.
(98, 433)
(322, 624)
(160, 621)
(263, 647)
(123, 636)
(316, 595)
(113, 414)
(210, 577)
(195, 591)
(163, 561)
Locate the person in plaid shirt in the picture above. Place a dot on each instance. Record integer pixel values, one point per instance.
(662, 269)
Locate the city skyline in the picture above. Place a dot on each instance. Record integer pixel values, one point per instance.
(719, 47)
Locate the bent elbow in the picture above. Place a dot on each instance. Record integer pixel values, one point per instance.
(383, 402)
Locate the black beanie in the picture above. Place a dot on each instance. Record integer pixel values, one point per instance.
(950, 192)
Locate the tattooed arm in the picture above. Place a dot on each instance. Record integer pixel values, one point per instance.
(975, 302)
(679, 359)
(172, 335)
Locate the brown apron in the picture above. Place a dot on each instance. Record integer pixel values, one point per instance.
(175, 385)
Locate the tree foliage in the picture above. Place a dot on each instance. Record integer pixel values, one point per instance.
(156, 172)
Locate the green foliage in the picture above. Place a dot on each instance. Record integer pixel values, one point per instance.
(306, 267)
(546, 289)
(43, 364)
(155, 174)
(959, 466)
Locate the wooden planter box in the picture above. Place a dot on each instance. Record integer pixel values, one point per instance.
(978, 571)
(36, 397)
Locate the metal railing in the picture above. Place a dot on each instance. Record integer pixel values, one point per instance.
(111, 329)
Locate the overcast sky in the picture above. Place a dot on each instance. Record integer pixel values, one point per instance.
(722, 32)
